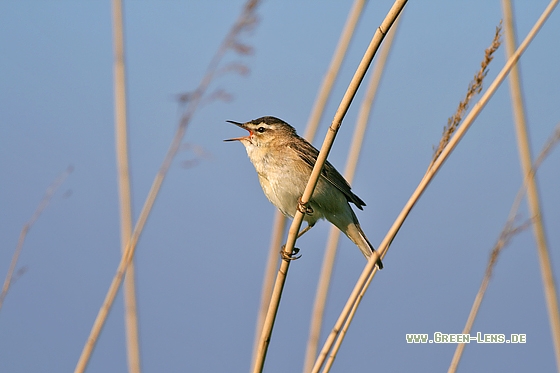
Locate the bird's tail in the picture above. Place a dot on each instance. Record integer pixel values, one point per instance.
(367, 249)
(357, 235)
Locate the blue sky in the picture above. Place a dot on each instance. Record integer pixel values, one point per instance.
(201, 258)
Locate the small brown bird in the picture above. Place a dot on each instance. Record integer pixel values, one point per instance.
(284, 161)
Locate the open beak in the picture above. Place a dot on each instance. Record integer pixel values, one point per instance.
(241, 125)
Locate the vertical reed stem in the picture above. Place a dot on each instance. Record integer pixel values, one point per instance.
(123, 177)
(532, 189)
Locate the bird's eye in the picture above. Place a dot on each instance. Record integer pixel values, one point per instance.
(260, 129)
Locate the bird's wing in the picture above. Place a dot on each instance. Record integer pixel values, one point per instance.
(309, 154)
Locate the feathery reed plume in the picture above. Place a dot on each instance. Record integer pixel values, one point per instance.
(508, 232)
(475, 87)
(192, 101)
(51, 190)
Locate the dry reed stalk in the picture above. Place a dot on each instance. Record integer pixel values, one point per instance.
(27, 226)
(334, 67)
(532, 189)
(336, 346)
(278, 228)
(370, 269)
(246, 20)
(324, 151)
(123, 179)
(350, 169)
(474, 87)
(509, 230)
(310, 131)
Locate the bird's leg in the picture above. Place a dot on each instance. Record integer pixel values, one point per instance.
(304, 230)
(304, 209)
(293, 255)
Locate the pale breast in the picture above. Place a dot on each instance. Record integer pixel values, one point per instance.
(283, 179)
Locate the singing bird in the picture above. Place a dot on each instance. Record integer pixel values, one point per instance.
(283, 161)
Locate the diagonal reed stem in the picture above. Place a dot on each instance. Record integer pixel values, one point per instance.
(324, 151)
(244, 20)
(27, 226)
(370, 269)
(350, 169)
(507, 233)
(280, 220)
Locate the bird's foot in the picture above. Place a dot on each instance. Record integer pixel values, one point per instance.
(304, 207)
(289, 256)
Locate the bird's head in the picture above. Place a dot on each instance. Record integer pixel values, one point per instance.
(264, 131)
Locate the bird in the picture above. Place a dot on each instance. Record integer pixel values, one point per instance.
(284, 161)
